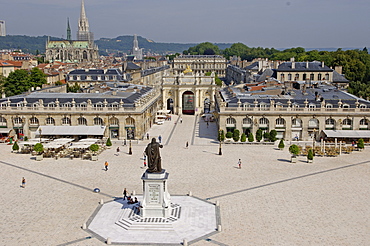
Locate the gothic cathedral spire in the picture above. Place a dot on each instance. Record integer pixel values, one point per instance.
(83, 32)
(68, 31)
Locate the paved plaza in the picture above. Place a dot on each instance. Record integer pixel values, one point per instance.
(269, 201)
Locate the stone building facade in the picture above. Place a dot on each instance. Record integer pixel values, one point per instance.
(296, 116)
(200, 64)
(127, 112)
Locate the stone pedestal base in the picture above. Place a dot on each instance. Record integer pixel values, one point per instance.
(156, 199)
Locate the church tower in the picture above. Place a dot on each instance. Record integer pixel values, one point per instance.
(68, 31)
(136, 51)
(83, 33)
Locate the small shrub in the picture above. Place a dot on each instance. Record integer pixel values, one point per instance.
(108, 143)
(25, 138)
(266, 136)
(15, 146)
(360, 144)
(236, 135)
(250, 137)
(39, 148)
(273, 134)
(229, 135)
(310, 154)
(94, 147)
(243, 138)
(281, 144)
(259, 135)
(294, 149)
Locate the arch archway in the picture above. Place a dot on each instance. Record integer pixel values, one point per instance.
(170, 104)
(188, 103)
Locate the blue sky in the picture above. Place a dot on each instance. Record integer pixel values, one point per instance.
(265, 23)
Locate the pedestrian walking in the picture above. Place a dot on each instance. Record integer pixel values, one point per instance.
(159, 138)
(23, 182)
(106, 166)
(240, 163)
(124, 142)
(124, 194)
(187, 144)
(147, 136)
(207, 124)
(180, 119)
(118, 150)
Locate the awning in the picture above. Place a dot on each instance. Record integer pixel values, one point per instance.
(346, 134)
(5, 130)
(71, 130)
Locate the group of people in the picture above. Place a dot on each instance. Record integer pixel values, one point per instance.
(129, 198)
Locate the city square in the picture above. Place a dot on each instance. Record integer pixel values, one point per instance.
(269, 201)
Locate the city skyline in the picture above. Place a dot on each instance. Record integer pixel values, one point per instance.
(271, 23)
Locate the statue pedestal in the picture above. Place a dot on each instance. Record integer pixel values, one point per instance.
(156, 199)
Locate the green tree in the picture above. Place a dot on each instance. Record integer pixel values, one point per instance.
(39, 148)
(15, 146)
(74, 88)
(250, 137)
(259, 135)
(281, 144)
(229, 134)
(108, 143)
(236, 135)
(294, 149)
(21, 81)
(243, 137)
(310, 154)
(203, 49)
(360, 144)
(273, 134)
(94, 148)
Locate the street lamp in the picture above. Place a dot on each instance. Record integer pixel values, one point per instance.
(130, 149)
(40, 131)
(314, 140)
(219, 137)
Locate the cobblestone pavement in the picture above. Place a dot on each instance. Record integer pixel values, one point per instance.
(270, 201)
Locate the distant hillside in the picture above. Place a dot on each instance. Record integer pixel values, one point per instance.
(119, 44)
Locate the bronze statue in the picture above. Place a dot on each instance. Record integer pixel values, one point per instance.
(153, 157)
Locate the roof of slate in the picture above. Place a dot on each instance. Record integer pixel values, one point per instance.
(302, 66)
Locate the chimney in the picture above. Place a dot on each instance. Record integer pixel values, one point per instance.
(322, 64)
(307, 64)
(293, 65)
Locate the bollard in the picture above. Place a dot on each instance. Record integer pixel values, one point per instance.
(109, 241)
(185, 242)
(101, 201)
(190, 193)
(219, 228)
(133, 193)
(217, 203)
(84, 226)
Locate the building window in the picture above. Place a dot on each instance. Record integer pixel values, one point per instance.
(264, 121)
(82, 121)
(312, 76)
(296, 76)
(327, 76)
(362, 106)
(329, 105)
(330, 121)
(280, 122)
(289, 77)
(3, 121)
(34, 121)
(304, 76)
(347, 122)
(66, 121)
(50, 121)
(98, 121)
(114, 122)
(230, 121)
(297, 123)
(346, 106)
(18, 121)
(319, 76)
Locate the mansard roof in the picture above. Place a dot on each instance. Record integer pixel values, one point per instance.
(314, 66)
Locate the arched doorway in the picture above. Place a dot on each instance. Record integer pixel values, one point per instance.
(207, 105)
(188, 104)
(170, 105)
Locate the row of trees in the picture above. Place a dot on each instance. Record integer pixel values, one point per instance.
(235, 135)
(355, 63)
(21, 81)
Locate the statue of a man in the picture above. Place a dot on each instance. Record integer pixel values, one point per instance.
(153, 157)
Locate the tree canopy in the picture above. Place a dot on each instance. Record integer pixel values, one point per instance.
(21, 81)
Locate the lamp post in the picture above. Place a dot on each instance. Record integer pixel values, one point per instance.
(313, 141)
(40, 131)
(130, 149)
(220, 147)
